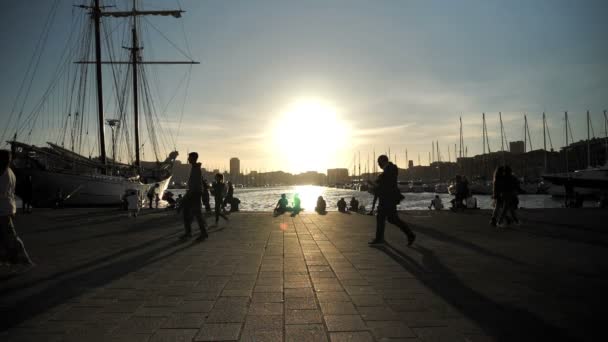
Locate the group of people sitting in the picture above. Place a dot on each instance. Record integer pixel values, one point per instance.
(283, 205)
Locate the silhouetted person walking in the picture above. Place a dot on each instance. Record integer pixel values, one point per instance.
(510, 192)
(218, 188)
(9, 240)
(389, 196)
(191, 203)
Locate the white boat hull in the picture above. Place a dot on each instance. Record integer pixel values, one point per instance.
(84, 190)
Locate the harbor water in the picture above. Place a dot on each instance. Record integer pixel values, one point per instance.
(265, 199)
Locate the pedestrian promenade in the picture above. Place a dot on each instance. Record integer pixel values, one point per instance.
(101, 276)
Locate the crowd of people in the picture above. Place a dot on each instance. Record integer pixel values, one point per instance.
(505, 193)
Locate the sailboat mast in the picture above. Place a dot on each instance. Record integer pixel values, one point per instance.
(134, 53)
(606, 137)
(525, 136)
(461, 139)
(102, 138)
(566, 147)
(545, 139)
(588, 143)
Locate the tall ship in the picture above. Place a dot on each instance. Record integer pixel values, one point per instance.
(59, 148)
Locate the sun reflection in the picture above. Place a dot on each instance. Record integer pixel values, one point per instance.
(309, 135)
(308, 195)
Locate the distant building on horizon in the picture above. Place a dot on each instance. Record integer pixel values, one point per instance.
(410, 164)
(517, 147)
(235, 169)
(337, 176)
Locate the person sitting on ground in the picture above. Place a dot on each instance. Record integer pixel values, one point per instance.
(296, 205)
(281, 206)
(354, 205)
(460, 195)
(436, 203)
(342, 205)
(471, 202)
(321, 207)
(234, 204)
(168, 196)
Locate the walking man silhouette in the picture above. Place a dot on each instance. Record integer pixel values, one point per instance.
(389, 196)
(192, 201)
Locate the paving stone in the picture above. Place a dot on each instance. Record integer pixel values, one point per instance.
(157, 311)
(173, 335)
(305, 333)
(236, 293)
(344, 323)
(301, 303)
(262, 335)
(301, 292)
(378, 313)
(390, 329)
(228, 310)
(297, 284)
(327, 297)
(338, 308)
(219, 332)
(267, 297)
(256, 325)
(266, 309)
(200, 306)
(302, 316)
(368, 300)
(139, 325)
(184, 320)
(358, 336)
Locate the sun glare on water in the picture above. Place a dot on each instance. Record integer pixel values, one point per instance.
(309, 135)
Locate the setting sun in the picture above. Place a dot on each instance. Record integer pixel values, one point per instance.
(310, 135)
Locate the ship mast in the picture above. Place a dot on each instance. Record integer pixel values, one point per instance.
(102, 138)
(134, 61)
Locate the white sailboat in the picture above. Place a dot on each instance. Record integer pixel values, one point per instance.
(55, 170)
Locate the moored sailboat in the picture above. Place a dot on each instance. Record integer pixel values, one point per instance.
(56, 172)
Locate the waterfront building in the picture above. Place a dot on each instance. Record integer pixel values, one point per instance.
(235, 169)
(337, 176)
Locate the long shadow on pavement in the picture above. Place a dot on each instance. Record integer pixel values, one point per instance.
(440, 236)
(77, 284)
(502, 321)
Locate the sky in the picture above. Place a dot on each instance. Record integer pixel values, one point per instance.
(308, 85)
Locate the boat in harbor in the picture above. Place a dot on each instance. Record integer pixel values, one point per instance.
(65, 169)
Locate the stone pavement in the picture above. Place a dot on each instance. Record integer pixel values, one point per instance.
(103, 277)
